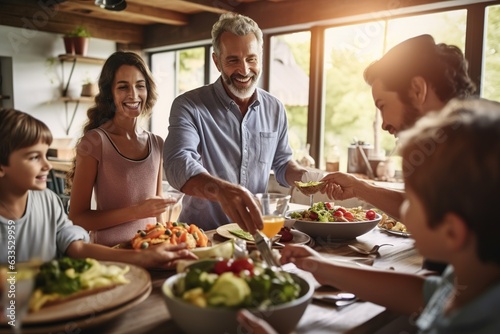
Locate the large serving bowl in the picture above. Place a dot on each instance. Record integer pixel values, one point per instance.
(335, 230)
(194, 319)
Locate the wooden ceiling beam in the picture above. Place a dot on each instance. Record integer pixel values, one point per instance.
(50, 19)
(217, 6)
(274, 16)
(134, 12)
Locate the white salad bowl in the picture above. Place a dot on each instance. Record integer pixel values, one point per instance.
(193, 319)
(334, 230)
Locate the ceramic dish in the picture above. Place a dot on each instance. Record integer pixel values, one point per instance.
(193, 319)
(88, 321)
(334, 230)
(120, 295)
(299, 237)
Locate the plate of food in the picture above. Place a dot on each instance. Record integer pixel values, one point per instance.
(392, 226)
(67, 289)
(172, 233)
(324, 219)
(286, 235)
(309, 188)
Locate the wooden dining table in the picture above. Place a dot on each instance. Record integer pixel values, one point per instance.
(149, 314)
(152, 316)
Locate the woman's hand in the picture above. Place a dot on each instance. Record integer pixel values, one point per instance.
(340, 186)
(165, 255)
(152, 207)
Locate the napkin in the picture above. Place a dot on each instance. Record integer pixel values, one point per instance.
(312, 175)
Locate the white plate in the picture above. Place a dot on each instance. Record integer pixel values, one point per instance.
(299, 238)
(399, 233)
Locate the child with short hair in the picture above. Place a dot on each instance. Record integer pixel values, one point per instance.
(451, 169)
(41, 227)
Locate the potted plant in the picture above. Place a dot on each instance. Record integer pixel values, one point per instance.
(77, 41)
(89, 88)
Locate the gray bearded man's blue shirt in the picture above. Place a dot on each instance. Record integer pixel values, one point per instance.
(208, 134)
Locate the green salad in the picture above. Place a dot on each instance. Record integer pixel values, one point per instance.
(327, 212)
(235, 283)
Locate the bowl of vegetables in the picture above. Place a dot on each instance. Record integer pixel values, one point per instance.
(327, 221)
(208, 296)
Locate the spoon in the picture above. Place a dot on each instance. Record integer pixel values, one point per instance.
(340, 299)
(337, 296)
(372, 251)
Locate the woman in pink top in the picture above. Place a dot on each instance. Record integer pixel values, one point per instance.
(116, 158)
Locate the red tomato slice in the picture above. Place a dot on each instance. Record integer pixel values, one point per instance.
(313, 215)
(349, 216)
(338, 213)
(241, 264)
(222, 267)
(341, 209)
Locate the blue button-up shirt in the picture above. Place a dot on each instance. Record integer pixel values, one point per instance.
(208, 134)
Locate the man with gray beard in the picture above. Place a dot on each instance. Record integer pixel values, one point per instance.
(224, 138)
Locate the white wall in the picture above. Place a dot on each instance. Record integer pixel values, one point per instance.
(37, 82)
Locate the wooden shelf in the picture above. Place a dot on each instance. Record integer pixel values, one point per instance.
(73, 59)
(4, 97)
(70, 116)
(81, 59)
(85, 99)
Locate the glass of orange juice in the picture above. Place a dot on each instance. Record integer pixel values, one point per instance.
(273, 207)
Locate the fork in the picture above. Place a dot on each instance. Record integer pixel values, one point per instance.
(372, 251)
(264, 246)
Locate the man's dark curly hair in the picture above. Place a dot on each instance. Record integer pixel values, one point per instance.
(443, 66)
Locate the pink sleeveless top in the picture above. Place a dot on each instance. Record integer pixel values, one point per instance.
(121, 182)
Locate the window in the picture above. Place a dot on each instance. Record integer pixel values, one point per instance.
(289, 82)
(491, 55)
(350, 113)
(175, 72)
(347, 109)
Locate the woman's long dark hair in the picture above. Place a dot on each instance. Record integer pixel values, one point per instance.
(104, 108)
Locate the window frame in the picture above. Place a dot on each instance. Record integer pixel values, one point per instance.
(474, 44)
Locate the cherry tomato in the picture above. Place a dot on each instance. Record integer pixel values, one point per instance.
(338, 213)
(222, 266)
(341, 209)
(313, 215)
(238, 265)
(329, 205)
(349, 216)
(370, 215)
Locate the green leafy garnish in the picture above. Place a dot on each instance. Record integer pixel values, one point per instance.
(53, 276)
(308, 184)
(242, 234)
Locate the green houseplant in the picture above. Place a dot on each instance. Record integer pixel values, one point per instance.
(77, 41)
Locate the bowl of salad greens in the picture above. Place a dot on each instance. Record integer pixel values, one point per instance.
(207, 297)
(327, 221)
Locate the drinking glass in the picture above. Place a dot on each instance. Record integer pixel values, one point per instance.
(174, 209)
(273, 208)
